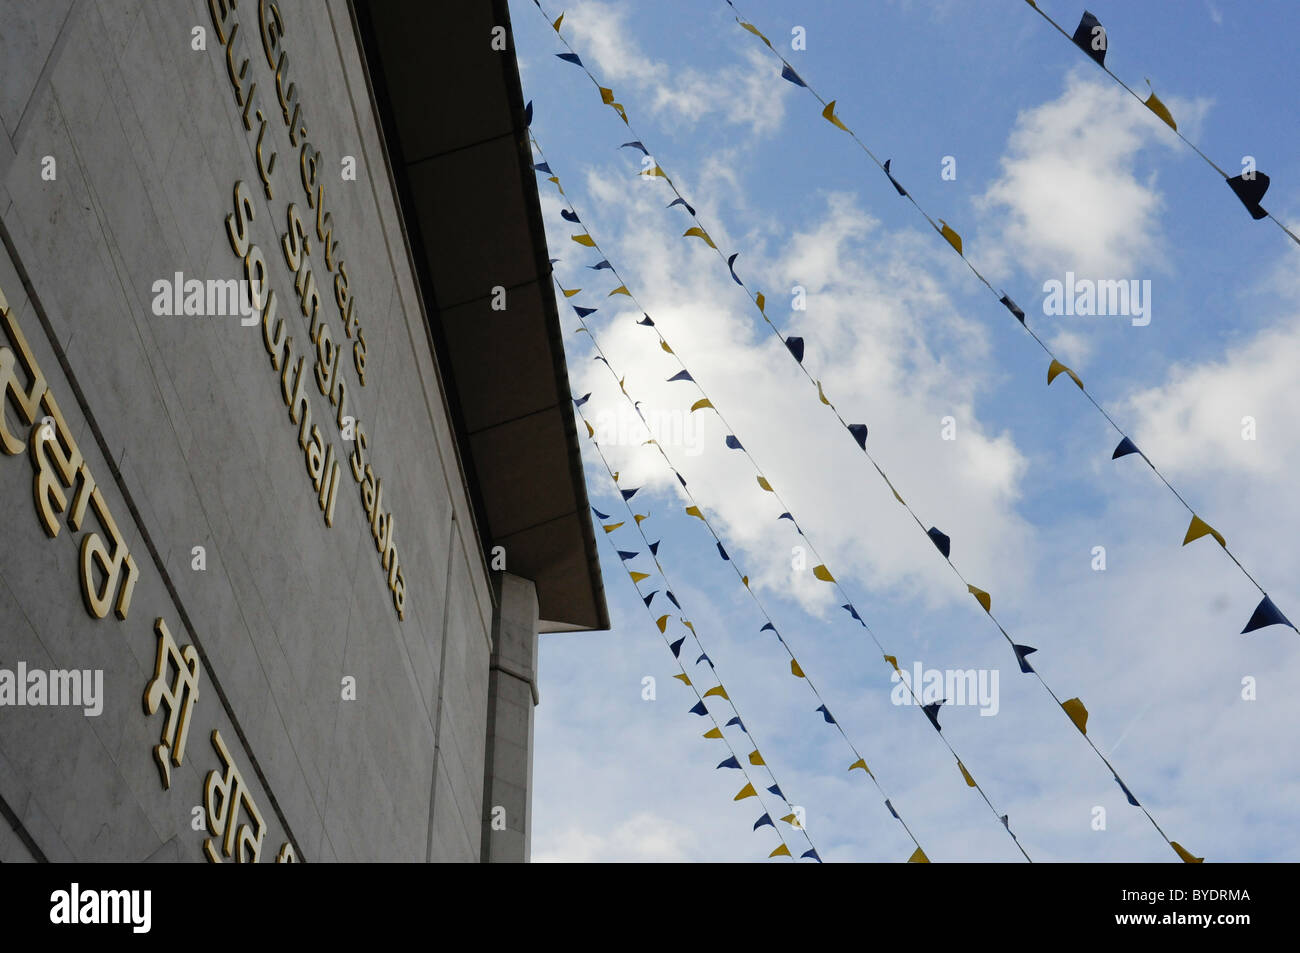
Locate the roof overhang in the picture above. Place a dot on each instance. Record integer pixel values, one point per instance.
(456, 143)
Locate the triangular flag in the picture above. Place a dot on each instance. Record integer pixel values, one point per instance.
(557, 23)
(982, 597)
(898, 187)
(826, 714)
(1199, 528)
(733, 443)
(1078, 714)
(892, 661)
(1021, 651)
(719, 691)
(953, 238)
(638, 576)
(736, 720)
(765, 819)
(829, 115)
(606, 95)
(1127, 793)
(918, 857)
(822, 573)
(932, 712)
(821, 394)
(859, 432)
(774, 788)
(620, 290)
(1090, 36)
(754, 30)
(1265, 614)
(1154, 104)
(860, 763)
(795, 346)
(722, 552)
(598, 513)
(810, 852)
(714, 732)
(848, 607)
(697, 232)
(781, 851)
(1250, 191)
(628, 494)
(681, 376)
(568, 216)
(756, 758)
(683, 203)
(1185, 854)
(1124, 448)
(625, 554)
(683, 678)
(1013, 308)
(941, 542)
(746, 791)
(694, 511)
(570, 58)
(1056, 367)
(762, 482)
(677, 647)
(795, 670)
(970, 782)
(699, 709)
(662, 621)
(730, 763)
(731, 267)
(701, 404)
(792, 76)
(635, 144)
(612, 526)
(650, 598)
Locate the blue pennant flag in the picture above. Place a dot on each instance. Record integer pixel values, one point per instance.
(682, 202)
(1013, 308)
(897, 187)
(672, 598)
(826, 714)
(583, 312)
(1125, 447)
(792, 76)
(528, 114)
(765, 819)
(932, 712)
(1021, 651)
(852, 611)
(704, 658)
(774, 789)
(733, 443)
(730, 763)
(570, 58)
(646, 322)
(699, 709)
(941, 542)
(654, 547)
(568, 216)
(625, 555)
(542, 167)
(722, 552)
(579, 401)
(650, 597)
(1127, 793)
(891, 810)
(736, 721)
(859, 432)
(731, 266)
(795, 346)
(677, 647)
(635, 144)
(810, 852)
(598, 513)
(628, 494)
(602, 264)
(681, 376)
(1266, 614)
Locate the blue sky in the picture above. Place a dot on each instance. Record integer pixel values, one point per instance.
(1057, 169)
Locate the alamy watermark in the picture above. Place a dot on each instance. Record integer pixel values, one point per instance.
(1084, 296)
(216, 297)
(951, 686)
(61, 688)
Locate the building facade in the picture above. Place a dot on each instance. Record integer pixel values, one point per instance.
(290, 481)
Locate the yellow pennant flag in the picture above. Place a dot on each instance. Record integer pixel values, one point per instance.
(891, 487)
(744, 581)
(829, 115)
(822, 394)
(1154, 104)
(638, 576)
(606, 95)
(1078, 714)
(1056, 367)
(756, 758)
(781, 851)
(860, 763)
(719, 691)
(760, 301)
(556, 180)
(970, 782)
(822, 573)
(701, 404)
(1199, 528)
(662, 622)
(653, 172)
(697, 232)
(1185, 854)
(762, 481)
(746, 791)
(714, 732)
(556, 24)
(687, 623)
(918, 857)
(612, 526)
(791, 819)
(695, 511)
(982, 597)
(795, 670)
(754, 30)
(620, 290)
(590, 431)
(584, 239)
(570, 294)
(685, 679)
(892, 661)
(618, 107)
(638, 517)
(953, 238)
(664, 345)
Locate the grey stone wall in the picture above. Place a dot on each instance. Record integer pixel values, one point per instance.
(181, 421)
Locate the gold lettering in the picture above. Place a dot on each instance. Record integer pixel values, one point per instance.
(179, 695)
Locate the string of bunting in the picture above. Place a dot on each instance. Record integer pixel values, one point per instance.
(675, 646)
(1073, 708)
(821, 571)
(700, 708)
(1093, 39)
(1266, 612)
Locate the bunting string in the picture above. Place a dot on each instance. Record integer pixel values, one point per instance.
(701, 707)
(821, 571)
(1072, 707)
(1266, 612)
(1093, 40)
